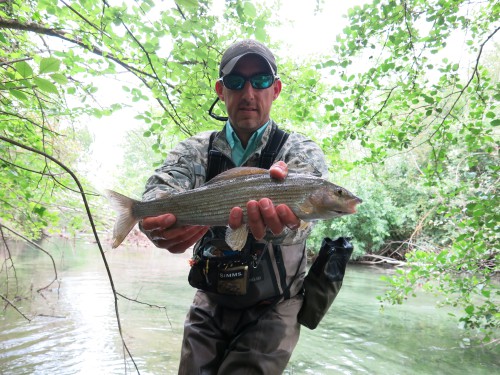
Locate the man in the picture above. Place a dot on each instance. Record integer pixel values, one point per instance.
(242, 334)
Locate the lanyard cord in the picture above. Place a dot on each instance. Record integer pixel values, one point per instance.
(213, 115)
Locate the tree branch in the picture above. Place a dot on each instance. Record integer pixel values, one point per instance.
(142, 75)
(474, 73)
(40, 29)
(94, 230)
(84, 19)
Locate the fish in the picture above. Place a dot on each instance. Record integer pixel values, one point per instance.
(310, 198)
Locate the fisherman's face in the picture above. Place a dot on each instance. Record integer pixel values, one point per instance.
(248, 109)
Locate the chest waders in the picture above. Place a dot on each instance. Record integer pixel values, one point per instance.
(257, 274)
(218, 163)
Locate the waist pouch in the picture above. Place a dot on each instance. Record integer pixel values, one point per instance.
(324, 280)
(234, 279)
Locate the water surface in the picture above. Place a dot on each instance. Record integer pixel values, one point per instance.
(73, 328)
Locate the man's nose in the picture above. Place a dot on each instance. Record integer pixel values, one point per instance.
(248, 90)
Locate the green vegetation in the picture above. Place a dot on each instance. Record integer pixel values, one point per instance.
(406, 122)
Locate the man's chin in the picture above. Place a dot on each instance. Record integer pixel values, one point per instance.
(249, 124)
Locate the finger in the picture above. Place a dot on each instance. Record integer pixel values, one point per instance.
(269, 216)
(287, 217)
(196, 234)
(179, 239)
(163, 233)
(158, 222)
(279, 170)
(235, 218)
(179, 234)
(255, 222)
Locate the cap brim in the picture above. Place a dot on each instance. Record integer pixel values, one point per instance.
(228, 68)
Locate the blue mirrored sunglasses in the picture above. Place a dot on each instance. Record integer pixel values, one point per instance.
(258, 81)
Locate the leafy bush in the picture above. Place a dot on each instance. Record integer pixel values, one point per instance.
(386, 219)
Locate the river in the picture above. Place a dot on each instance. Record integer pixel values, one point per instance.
(73, 328)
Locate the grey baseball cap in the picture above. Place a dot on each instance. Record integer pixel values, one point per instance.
(242, 48)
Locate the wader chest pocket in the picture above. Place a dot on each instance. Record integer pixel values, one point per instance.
(219, 276)
(233, 280)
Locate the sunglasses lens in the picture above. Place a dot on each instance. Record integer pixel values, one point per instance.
(233, 82)
(262, 81)
(258, 81)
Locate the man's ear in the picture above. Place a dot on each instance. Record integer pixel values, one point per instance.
(219, 90)
(277, 89)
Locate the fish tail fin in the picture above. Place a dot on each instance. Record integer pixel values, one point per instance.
(125, 220)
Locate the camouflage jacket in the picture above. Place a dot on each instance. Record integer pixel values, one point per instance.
(186, 165)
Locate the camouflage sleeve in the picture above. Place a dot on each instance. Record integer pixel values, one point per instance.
(183, 169)
(305, 156)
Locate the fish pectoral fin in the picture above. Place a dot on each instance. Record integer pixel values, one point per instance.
(304, 225)
(304, 229)
(306, 207)
(236, 238)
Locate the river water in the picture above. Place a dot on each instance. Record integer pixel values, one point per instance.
(73, 327)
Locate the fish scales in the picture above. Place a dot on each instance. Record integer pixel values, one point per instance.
(210, 205)
(309, 197)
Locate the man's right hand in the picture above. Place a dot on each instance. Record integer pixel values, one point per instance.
(262, 214)
(177, 239)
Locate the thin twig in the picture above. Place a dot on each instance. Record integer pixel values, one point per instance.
(39, 248)
(14, 307)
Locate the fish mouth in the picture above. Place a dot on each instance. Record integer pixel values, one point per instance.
(349, 208)
(342, 213)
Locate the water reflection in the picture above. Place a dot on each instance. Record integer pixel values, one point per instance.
(74, 329)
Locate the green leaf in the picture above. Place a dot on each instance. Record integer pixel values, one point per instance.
(45, 85)
(260, 34)
(40, 210)
(338, 102)
(59, 78)
(188, 3)
(49, 64)
(18, 94)
(24, 69)
(249, 9)
(429, 99)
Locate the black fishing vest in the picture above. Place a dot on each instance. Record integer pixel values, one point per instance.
(218, 163)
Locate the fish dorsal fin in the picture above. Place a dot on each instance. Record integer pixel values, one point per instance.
(237, 172)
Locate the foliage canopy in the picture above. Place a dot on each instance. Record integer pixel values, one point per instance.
(409, 123)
